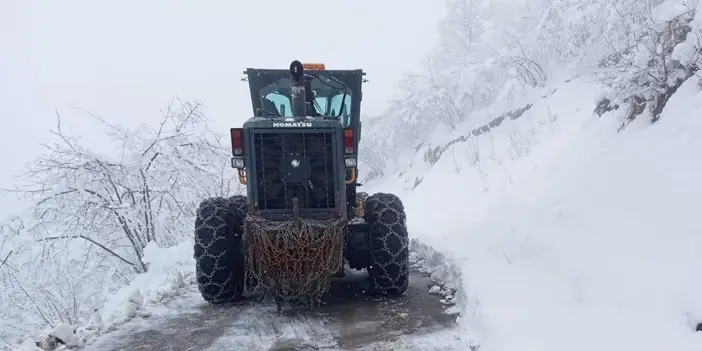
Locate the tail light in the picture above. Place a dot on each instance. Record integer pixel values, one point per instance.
(348, 141)
(237, 143)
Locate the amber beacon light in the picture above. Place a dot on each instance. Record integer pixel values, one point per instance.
(314, 66)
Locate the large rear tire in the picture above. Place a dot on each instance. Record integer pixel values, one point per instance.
(218, 254)
(389, 244)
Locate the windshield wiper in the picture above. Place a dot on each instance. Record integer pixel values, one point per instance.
(344, 87)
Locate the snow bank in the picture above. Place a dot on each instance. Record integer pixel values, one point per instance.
(571, 236)
(170, 271)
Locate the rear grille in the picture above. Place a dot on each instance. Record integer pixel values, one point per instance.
(298, 164)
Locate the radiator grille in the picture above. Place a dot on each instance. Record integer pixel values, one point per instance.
(299, 164)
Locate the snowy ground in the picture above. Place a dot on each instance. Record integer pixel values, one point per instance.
(347, 322)
(568, 235)
(163, 310)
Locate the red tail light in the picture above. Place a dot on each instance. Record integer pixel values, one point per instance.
(237, 148)
(348, 141)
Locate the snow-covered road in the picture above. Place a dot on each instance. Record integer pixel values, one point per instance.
(349, 320)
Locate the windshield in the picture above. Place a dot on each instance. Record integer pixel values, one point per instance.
(327, 102)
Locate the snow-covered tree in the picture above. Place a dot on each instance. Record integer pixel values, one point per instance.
(493, 52)
(658, 49)
(94, 214)
(148, 193)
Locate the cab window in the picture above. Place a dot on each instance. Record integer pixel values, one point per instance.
(336, 105)
(327, 102)
(281, 102)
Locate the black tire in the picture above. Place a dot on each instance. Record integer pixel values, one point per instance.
(389, 244)
(219, 258)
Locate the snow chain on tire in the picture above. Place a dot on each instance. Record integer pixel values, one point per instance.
(389, 244)
(218, 249)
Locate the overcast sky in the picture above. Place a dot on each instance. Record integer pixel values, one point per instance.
(125, 60)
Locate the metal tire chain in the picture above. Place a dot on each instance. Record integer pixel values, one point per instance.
(296, 264)
(217, 250)
(389, 244)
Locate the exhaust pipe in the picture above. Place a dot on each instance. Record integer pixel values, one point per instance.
(298, 90)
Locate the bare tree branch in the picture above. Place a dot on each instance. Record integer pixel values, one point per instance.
(92, 242)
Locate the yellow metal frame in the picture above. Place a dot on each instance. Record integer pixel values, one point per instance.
(242, 176)
(353, 176)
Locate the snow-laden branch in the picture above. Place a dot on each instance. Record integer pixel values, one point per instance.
(491, 54)
(94, 214)
(83, 194)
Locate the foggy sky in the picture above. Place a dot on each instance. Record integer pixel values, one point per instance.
(125, 60)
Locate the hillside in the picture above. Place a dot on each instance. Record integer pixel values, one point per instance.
(569, 235)
(569, 202)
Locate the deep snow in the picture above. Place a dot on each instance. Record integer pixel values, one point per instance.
(569, 235)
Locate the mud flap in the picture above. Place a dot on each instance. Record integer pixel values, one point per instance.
(357, 244)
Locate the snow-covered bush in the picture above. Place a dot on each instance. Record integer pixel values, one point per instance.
(94, 214)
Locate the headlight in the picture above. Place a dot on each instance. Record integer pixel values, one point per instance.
(237, 163)
(350, 162)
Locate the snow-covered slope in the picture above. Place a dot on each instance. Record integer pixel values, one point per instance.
(570, 236)
(569, 203)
